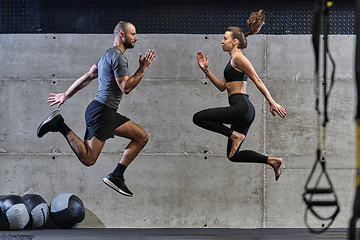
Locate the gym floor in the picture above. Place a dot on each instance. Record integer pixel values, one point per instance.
(170, 233)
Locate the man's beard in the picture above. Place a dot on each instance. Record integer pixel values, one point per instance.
(128, 44)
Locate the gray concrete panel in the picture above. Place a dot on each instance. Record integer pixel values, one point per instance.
(173, 191)
(298, 132)
(163, 111)
(307, 161)
(49, 56)
(28, 56)
(295, 134)
(285, 205)
(296, 52)
(290, 57)
(176, 55)
(342, 50)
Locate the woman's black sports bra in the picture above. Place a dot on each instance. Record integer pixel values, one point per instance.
(232, 75)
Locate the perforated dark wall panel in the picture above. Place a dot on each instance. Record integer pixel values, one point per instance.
(150, 16)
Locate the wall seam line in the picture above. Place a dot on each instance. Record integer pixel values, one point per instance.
(264, 217)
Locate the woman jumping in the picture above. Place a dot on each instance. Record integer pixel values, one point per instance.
(241, 113)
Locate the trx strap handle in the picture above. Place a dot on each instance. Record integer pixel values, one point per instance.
(356, 207)
(319, 190)
(314, 205)
(321, 12)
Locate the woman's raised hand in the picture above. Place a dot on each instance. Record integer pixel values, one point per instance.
(202, 61)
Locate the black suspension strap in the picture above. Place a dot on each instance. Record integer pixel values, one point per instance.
(321, 194)
(356, 207)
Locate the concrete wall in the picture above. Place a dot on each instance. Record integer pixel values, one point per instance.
(182, 178)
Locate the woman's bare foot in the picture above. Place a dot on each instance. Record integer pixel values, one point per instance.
(276, 164)
(236, 139)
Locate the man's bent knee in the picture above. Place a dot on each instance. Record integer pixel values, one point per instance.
(88, 161)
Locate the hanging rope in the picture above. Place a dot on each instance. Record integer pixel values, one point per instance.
(356, 207)
(321, 18)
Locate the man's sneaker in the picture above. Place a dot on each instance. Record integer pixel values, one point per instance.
(49, 124)
(118, 184)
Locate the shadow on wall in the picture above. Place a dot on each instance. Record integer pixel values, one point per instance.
(91, 221)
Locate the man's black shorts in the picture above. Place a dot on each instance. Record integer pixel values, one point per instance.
(101, 121)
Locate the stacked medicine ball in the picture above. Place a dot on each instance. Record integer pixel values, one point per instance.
(32, 211)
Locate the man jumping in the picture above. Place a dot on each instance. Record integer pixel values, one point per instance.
(102, 119)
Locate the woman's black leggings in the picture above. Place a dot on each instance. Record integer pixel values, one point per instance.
(240, 114)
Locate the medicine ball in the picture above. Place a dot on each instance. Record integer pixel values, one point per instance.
(39, 210)
(14, 212)
(67, 210)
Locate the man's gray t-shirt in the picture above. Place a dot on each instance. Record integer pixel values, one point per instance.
(112, 64)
